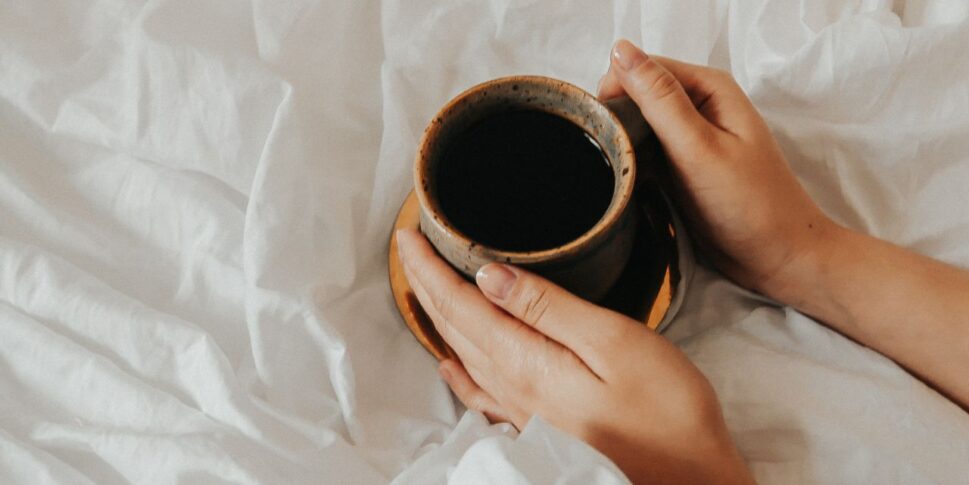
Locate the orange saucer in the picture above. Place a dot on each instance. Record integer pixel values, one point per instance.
(649, 289)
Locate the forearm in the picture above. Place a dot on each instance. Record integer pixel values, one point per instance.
(911, 308)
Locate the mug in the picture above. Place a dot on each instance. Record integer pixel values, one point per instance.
(587, 266)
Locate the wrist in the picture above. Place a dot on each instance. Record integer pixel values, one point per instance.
(801, 276)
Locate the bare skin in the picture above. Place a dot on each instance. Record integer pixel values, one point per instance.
(528, 347)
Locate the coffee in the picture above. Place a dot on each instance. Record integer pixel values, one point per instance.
(523, 180)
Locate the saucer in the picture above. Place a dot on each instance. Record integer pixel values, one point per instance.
(649, 290)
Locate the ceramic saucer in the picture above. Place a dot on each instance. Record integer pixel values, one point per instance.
(650, 289)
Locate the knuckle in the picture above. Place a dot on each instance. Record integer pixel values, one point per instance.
(663, 86)
(535, 302)
(655, 81)
(712, 147)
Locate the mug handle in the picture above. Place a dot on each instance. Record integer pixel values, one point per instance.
(631, 118)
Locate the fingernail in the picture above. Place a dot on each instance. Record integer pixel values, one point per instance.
(446, 374)
(496, 280)
(626, 55)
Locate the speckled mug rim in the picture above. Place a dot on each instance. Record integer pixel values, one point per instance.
(600, 231)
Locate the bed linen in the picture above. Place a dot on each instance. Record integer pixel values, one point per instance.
(195, 203)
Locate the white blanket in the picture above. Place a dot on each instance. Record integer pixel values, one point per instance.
(196, 198)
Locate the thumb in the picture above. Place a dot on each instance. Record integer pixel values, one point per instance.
(661, 98)
(585, 329)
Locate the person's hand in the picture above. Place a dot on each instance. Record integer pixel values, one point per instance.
(764, 231)
(528, 347)
(743, 203)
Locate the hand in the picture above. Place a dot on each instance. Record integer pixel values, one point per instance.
(529, 347)
(743, 203)
(761, 228)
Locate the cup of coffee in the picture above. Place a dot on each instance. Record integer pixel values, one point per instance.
(534, 172)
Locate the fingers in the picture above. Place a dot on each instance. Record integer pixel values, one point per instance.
(585, 329)
(714, 93)
(716, 96)
(609, 86)
(524, 370)
(467, 350)
(473, 397)
(503, 354)
(464, 316)
(661, 97)
(699, 82)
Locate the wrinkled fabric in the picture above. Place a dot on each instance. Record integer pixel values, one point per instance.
(196, 200)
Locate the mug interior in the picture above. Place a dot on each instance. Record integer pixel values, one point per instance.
(532, 93)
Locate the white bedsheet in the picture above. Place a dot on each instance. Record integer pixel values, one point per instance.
(196, 198)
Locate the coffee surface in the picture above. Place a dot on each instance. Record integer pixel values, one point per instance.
(524, 181)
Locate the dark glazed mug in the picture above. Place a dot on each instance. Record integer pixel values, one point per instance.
(589, 265)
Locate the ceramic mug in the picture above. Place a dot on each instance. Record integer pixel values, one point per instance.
(587, 266)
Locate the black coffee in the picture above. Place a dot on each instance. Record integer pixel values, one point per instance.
(524, 181)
